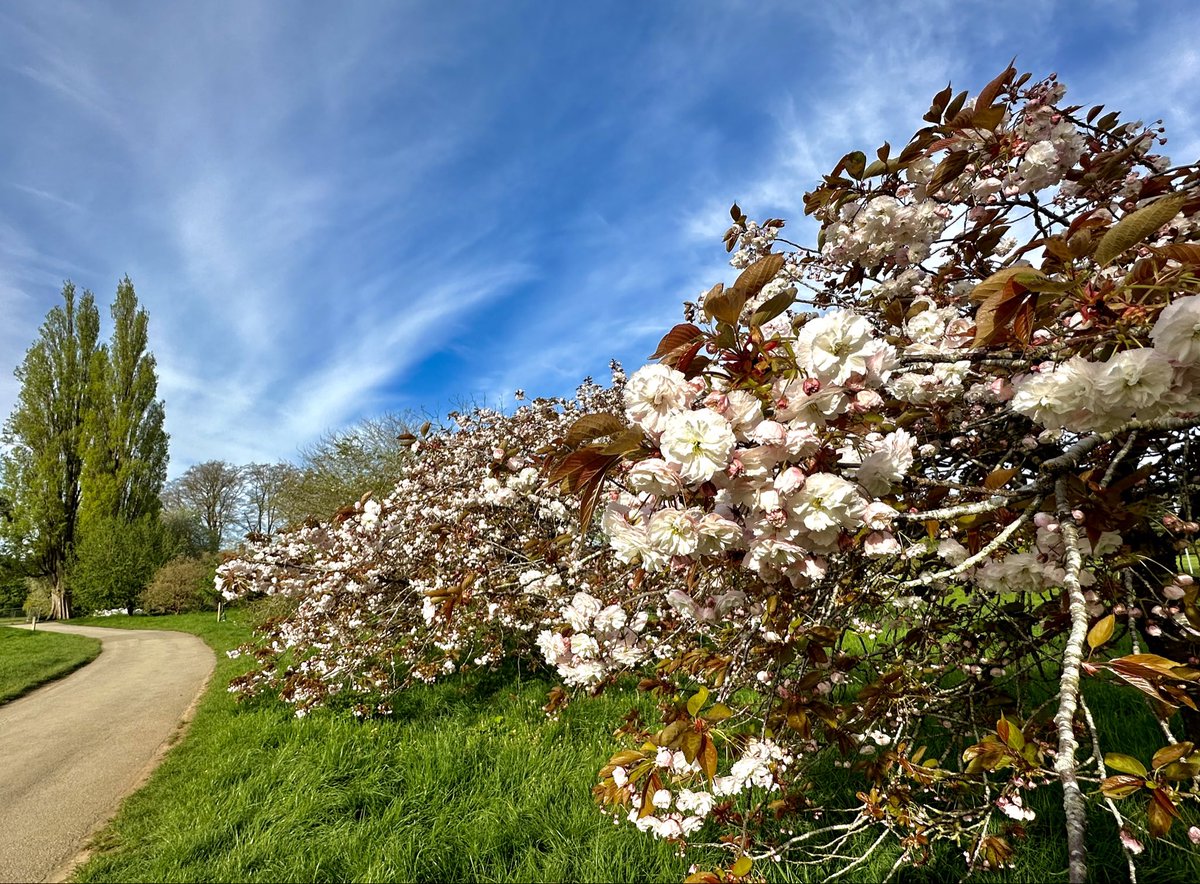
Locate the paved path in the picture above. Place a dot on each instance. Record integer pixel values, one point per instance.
(70, 751)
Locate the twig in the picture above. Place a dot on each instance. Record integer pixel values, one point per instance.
(1076, 452)
(998, 541)
(953, 512)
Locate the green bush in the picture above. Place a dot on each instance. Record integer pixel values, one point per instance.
(182, 585)
(37, 599)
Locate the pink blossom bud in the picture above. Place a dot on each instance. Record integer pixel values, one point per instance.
(1173, 592)
(1043, 520)
(1194, 834)
(1029, 443)
(1184, 579)
(1153, 629)
(1130, 843)
(791, 479)
(1077, 515)
(811, 386)
(865, 401)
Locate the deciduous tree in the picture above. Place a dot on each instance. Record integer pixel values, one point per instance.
(46, 437)
(212, 491)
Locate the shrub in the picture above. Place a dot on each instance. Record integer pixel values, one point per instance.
(181, 585)
(37, 599)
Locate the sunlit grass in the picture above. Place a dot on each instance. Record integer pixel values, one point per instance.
(31, 659)
(468, 782)
(471, 782)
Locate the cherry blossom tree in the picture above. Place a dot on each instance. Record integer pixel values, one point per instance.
(881, 505)
(923, 479)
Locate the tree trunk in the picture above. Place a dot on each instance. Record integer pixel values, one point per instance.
(60, 601)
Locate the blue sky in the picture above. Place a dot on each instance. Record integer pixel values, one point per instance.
(332, 210)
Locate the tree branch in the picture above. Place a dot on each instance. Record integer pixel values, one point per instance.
(1068, 697)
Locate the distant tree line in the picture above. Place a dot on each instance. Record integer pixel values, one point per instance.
(231, 502)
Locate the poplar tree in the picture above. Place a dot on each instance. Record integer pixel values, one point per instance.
(45, 433)
(125, 462)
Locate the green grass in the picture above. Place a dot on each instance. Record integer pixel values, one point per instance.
(31, 659)
(470, 782)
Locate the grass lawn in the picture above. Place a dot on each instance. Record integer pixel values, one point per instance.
(30, 659)
(470, 782)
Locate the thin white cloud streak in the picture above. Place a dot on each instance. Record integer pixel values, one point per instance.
(238, 195)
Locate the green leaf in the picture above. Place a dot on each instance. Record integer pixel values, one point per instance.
(1125, 764)
(1181, 770)
(696, 703)
(772, 308)
(1136, 226)
(854, 163)
(742, 867)
(717, 712)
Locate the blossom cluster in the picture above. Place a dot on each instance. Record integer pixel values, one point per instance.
(461, 564)
(1085, 395)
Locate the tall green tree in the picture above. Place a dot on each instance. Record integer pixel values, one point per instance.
(125, 461)
(45, 433)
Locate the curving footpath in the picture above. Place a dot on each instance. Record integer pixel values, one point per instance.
(70, 751)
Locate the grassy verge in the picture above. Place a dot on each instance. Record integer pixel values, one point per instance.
(31, 659)
(470, 781)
